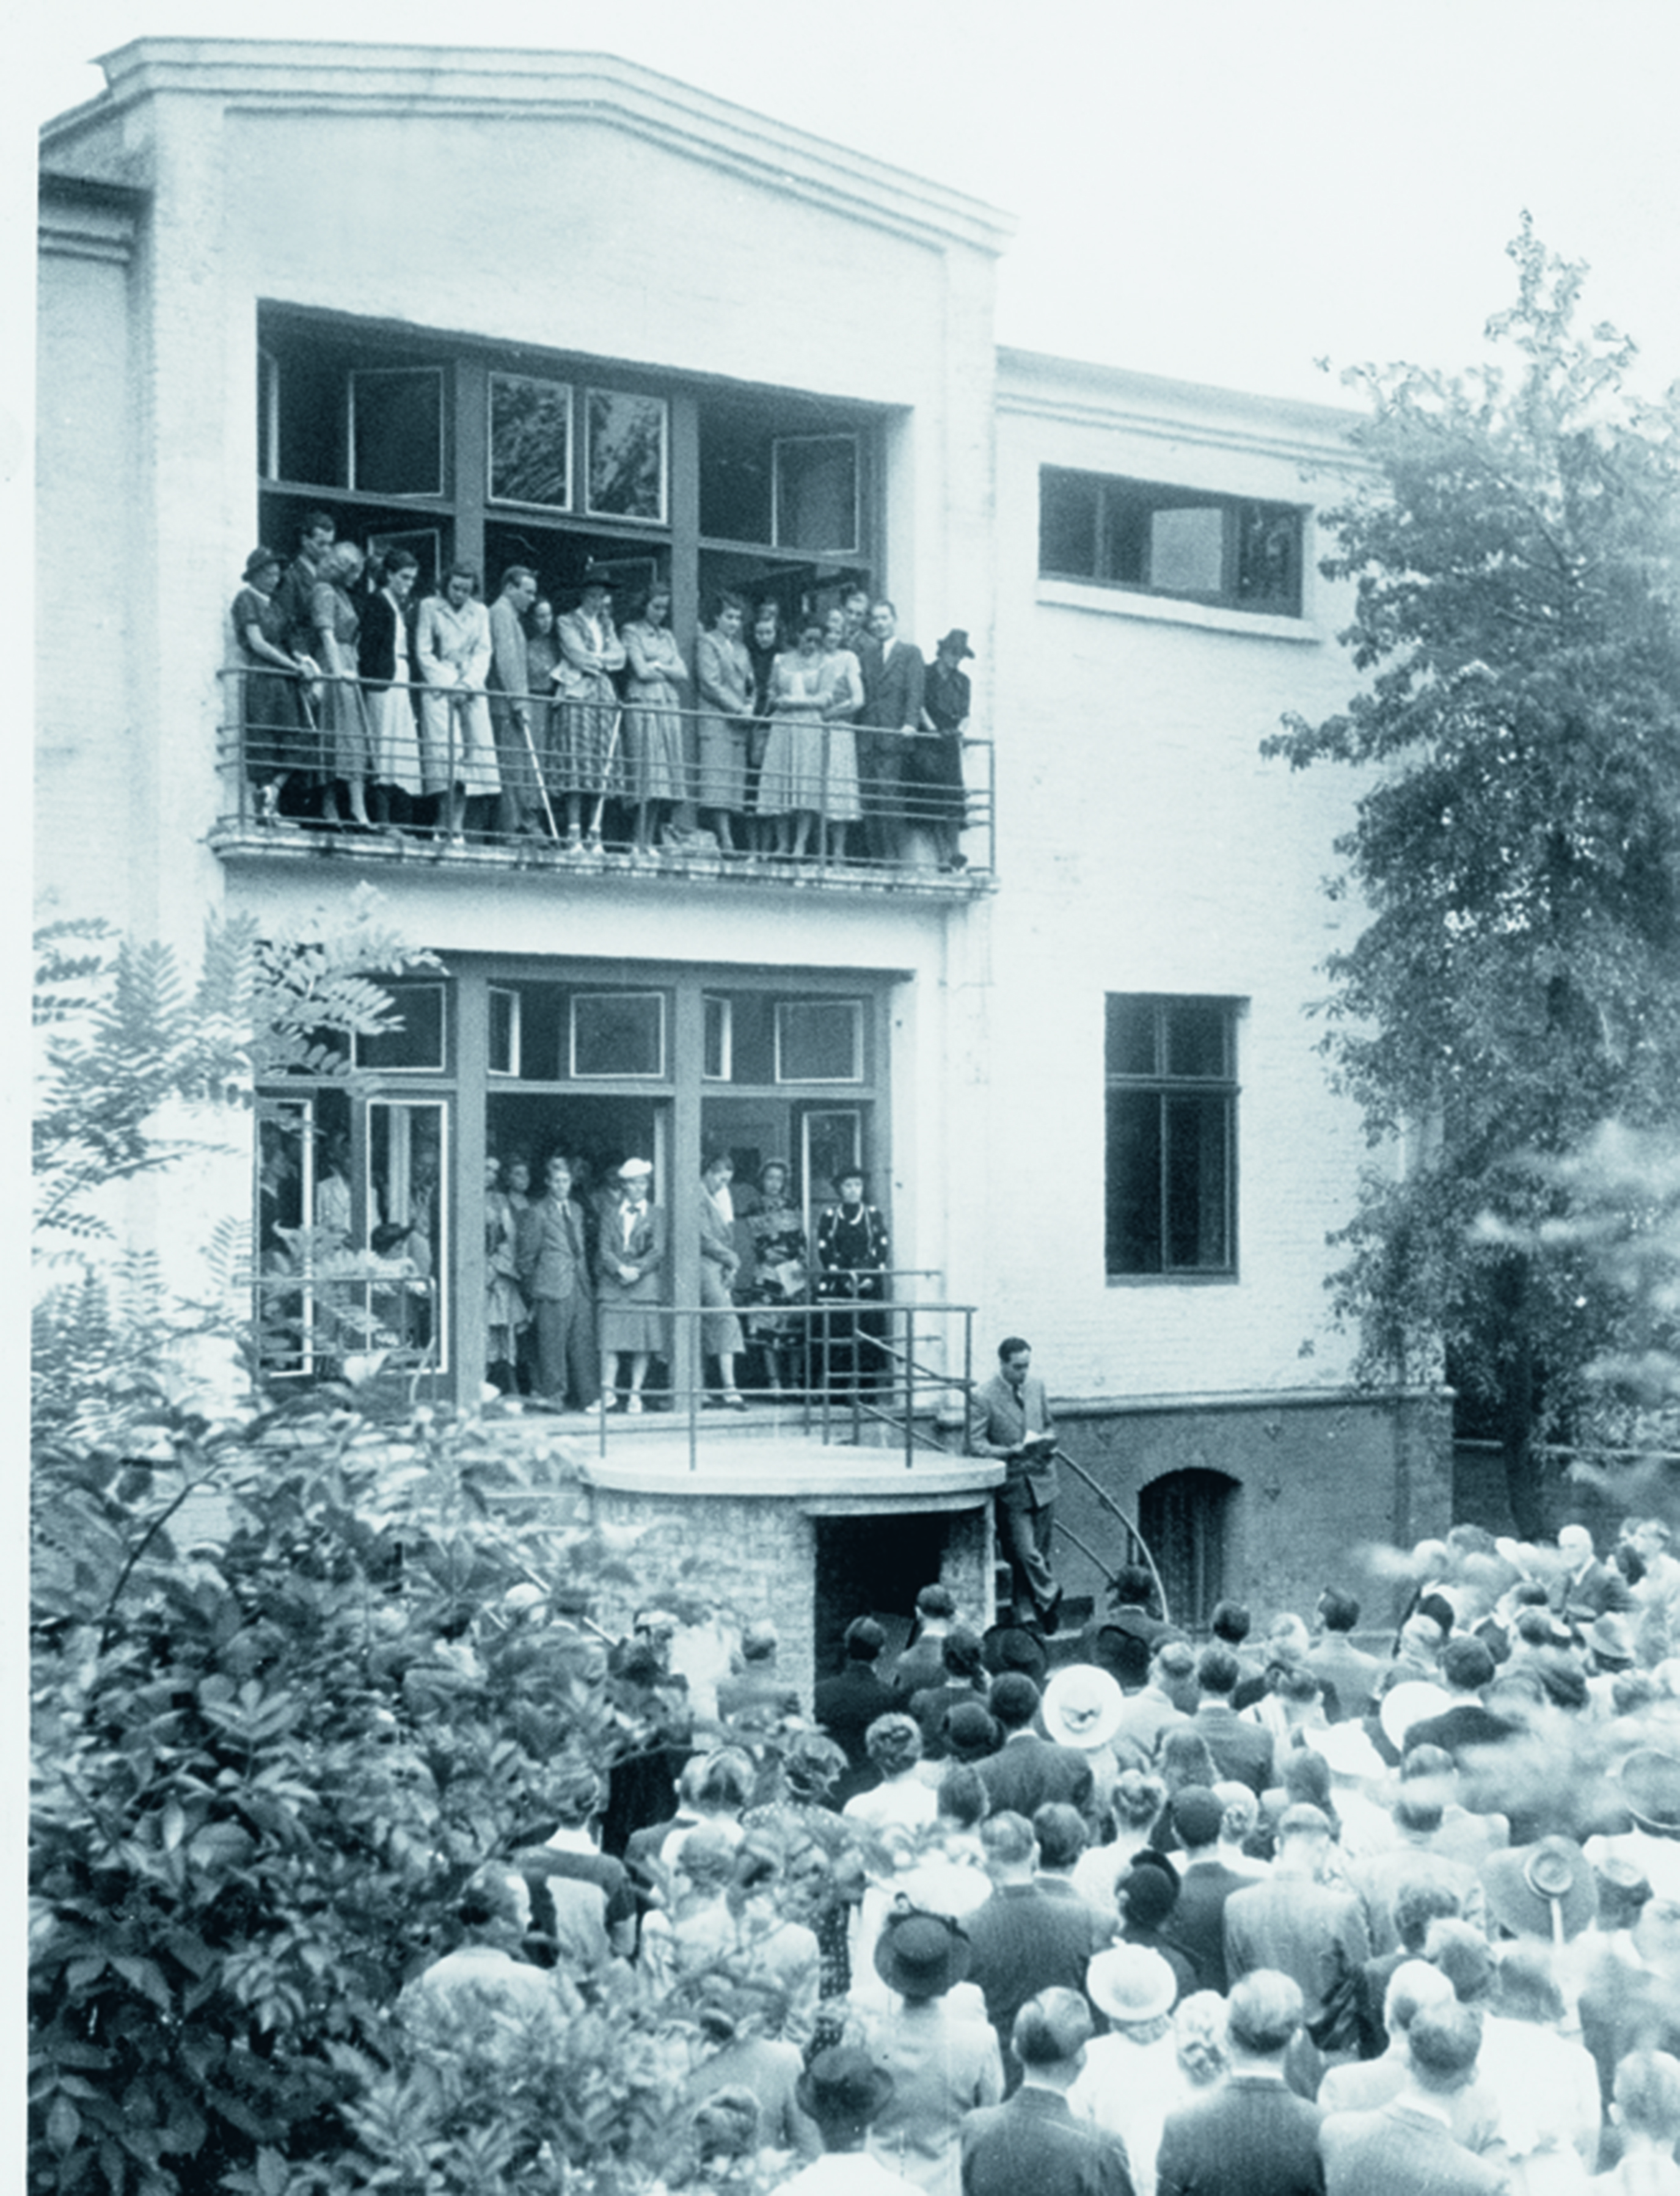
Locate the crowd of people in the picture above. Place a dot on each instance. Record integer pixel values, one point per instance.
(1272, 1912)
(369, 708)
(578, 1286)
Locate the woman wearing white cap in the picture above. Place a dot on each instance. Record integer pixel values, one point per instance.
(1131, 2078)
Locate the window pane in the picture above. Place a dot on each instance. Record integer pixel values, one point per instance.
(1067, 523)
(819, 1041)
(735, 479)
(418, 1044)
(1197, 1203)
(530, 441)
(1186, 551)
(312, 418)
(1195, 1037)
(1134, 1177)
(1129, 1034)
(397, 430)
(816, 495)
(1268, 561)
(504, 1030)
(752, 1038)
(618, 1033)
(717, 1041)
(1126, 516)
(626, 455)
(407, 1220)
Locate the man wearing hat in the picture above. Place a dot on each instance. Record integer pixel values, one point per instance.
(933, 771)
(1034, 2142)
(1647, 1834)
(1251, 2136)
(1543, 1890)
(1130, 2075)
(843, 2092)
(943, 2064)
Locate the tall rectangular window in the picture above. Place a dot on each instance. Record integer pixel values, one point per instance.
(1184, 542)
(1171, 1070)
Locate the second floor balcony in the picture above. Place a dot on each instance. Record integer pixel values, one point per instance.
(331, 769)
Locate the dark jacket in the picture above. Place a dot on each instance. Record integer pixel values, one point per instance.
(1034, 2143)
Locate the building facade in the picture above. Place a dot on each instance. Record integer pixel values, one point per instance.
(556, 310)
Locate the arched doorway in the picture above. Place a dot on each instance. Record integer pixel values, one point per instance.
(1183, 1517)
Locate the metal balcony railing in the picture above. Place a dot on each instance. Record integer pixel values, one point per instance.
(864, 805)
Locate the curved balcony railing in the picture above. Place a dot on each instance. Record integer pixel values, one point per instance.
(870, 804)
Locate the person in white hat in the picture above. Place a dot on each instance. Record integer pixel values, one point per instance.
(1081, 1708)
(1131, 2078)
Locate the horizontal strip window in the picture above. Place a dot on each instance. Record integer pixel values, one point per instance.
(1184, 543)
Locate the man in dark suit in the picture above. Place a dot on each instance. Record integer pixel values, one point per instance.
(1586, 1587)
(1251, 2136)
(894, 676)
(1241, 1750)
(1197, 1922)
(1406, 2147)
(1033, 2140)
(1335, 1661)
(1009, 1419)
(1295, 1922)
(1027, 1770)
(847, 1705)
(553, 1265)
(920, 1663)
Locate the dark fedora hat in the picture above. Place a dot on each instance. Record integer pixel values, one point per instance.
(1543, 1890)
(956, 640)
(970, 1733)
(920, 1955)
(842, 2086)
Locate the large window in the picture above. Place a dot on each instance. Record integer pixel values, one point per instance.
(1171, 1136)
(1162, 541)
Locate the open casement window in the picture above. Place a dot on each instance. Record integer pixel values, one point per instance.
(1170, 1136)
(1155, 539)
(400, 1312)
(816, 500)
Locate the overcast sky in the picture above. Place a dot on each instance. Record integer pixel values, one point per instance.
(1225, 191)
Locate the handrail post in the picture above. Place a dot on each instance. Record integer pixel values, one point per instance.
(697, 1367)
(909, 1391)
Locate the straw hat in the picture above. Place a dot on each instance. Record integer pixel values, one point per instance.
(1082, 1706)
(1131, 1984)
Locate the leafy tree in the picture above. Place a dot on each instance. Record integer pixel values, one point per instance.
(1516, 846)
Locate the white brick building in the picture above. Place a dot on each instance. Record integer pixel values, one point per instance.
(1080, 1072)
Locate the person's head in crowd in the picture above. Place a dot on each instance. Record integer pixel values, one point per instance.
(1136, 1801)
(767, 625)
(460, 585)
(1440, 1612)
(706, 1860)
(843, 2089)
(577, 1797)
(719, 1783)
(1172, 1671)
(398, 572)
(1185, 1759)
(1564, 1681)
(1133, 1989)
(1536, 1630)
(1432, 1771)
(595, 598)
(315, 533)
(1632, 1692)
(961, 1797)
(1543, 1890)
(1574, 1544)
(970, 1732)
(759, 1641)
(812, 1763)
(1197, 1817)
(855, 609)
(1238, 1812)
(1623, 1890)
(494, 1908)
(806, 1892)
(883, 618)
(1524, 1986)
(1463, 1954)
(1306, 1781)
(1231, 1623)
(1147, 1893)
(1609, 1643)
(728, 614)
(1646, 2103)
(540, 618)
(1650, 1538)
(1287, 1638)
(760, 1866)
(724, 2127)
(1420, 1639)
(344, 564)
(1061, 1835)
(1656, 1936)
(1132, 1587)
(1337, 1611)
(1011, 1851)
(1516, 1695)
(893, 1743)
(1263, 2013)
(1012, 1647)
(1417, 1808)
(1442, 2047)
(1049, 2037)
(1414, 1984)
(962, 1656)
(1217, 1671)
(1297, 1692)
(1466, 1666)
(1304, 1841)
(1418, 1901)
(921, 1956)
(519, 587)
(1199, 2038)
(1014, 1701)
(864, 1640)
(935, 1604)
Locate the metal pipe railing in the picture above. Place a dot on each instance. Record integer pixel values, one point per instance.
(287, 774)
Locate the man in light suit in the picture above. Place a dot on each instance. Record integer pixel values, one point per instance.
(554, 1272)
(1407, 2147)
(894, 675)
(1010, 1418)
